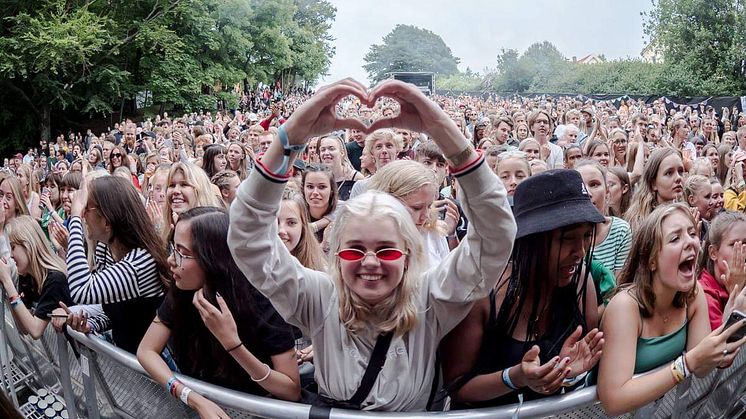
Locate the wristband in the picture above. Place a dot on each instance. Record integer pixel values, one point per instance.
(269, 371)
(287, 150)
(184, 396)
(171, 384)
(507, 381)
(678, 369)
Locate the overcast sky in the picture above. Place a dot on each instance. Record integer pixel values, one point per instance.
(476, 31)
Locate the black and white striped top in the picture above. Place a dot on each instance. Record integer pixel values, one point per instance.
(134, 276)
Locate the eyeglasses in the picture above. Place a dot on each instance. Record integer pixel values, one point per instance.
(178, 256)
(117, 155)
(385, 255)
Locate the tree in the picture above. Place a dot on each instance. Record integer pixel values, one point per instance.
(67, 60)
(532, 71)
(409, 48)
(464, 82)
(702, 40)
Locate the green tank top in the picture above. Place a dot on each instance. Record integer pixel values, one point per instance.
(660, 350)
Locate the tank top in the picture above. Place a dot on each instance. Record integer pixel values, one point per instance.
(500, 350)
(656, 351)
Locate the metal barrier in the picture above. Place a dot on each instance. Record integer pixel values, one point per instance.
(106, 381)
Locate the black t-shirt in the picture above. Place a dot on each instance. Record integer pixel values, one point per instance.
(53, 291)
(270, 336)
(354, 152)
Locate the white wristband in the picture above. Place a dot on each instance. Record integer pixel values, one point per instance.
(184, 396)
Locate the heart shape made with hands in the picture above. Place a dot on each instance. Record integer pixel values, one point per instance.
(319, 115)
(352, 107)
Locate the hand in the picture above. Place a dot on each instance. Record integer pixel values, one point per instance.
(59, 235)
(206, 409)
(5, 273)
(220, 322)
(714, 351)
(155, 212)
(46, 201)
(451, 214)
(305, 354)
(316, 116)
(77, 321)
(542, 379)
(326, 238)
(583, 353)
(416, 113)
(59, 322)
(737, 275)
(80, 198)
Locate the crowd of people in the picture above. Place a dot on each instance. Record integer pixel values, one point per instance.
(383, 250)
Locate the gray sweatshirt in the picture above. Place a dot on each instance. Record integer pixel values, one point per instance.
(308, 299)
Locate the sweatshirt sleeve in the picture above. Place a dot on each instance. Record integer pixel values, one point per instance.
(300, 295)
(472, 269)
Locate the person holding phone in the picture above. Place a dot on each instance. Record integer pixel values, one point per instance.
(659, 316)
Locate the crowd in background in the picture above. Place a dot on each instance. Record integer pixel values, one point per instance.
(522, 279)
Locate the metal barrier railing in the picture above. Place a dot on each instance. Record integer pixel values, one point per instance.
(106, 381)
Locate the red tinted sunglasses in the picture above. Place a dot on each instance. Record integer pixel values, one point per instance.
(386, 255)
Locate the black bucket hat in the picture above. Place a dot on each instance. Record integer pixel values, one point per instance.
(553, 199)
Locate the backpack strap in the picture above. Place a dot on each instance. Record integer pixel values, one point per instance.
(375, 365)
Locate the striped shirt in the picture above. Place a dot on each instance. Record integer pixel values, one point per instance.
(613, 251)
(134, 276)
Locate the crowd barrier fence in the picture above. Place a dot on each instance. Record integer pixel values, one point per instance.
(99, 380)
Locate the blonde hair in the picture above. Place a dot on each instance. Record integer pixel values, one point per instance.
(693, 184)
(33, 180)
(15, 187)
(398, 312)
(196, 178)
(401, 178)
(307, 251)
(384, 134)
(24, 231)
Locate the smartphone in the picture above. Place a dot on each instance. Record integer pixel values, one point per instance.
(442, 213)
(735, 317)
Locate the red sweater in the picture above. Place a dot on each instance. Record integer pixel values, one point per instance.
(717, 297)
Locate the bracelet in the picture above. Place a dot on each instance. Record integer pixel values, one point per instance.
(287, 149)
(269, 371)
(687, 372)
(184, 396)
(507, 381)
(235, 347)
(15, 300)
(171, 385)
(677, 369)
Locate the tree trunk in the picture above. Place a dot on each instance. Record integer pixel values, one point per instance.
(45, 123)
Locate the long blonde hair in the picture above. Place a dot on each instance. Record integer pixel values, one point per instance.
(397, 312)
(196, 178)
(24, 231)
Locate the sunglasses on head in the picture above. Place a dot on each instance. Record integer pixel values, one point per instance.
(354, 255)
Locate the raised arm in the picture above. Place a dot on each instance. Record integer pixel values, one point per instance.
(298, 294)
(472, 269)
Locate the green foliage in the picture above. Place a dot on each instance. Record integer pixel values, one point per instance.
(467, 82)
(703, 43)
(409, 48)
(75, 59)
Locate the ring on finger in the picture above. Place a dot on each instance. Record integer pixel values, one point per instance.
(725, 351)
